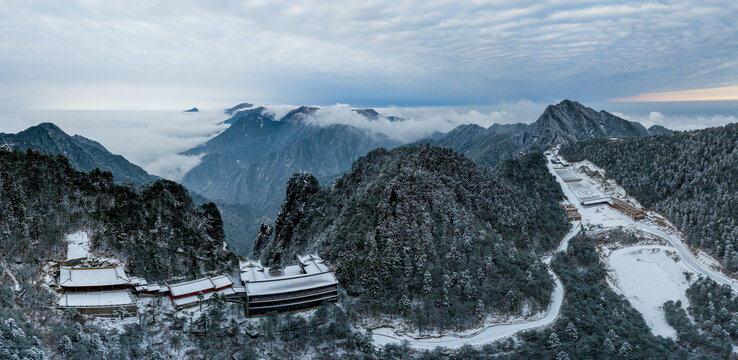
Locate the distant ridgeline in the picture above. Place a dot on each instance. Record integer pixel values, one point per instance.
(425, 233)
(156, 229)
(692, 177)
(563, 123)
(83, 153)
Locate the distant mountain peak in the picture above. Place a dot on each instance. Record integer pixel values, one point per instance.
(299, 114)
(238, 107)
(84, 154)
(370, 114)
(194, 109)
(562, 123)
(49, 127)
(659, 130)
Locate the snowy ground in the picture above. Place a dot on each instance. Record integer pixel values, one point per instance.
(78, 245)
(649, 276)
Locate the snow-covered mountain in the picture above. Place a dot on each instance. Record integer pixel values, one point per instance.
(250, 163)
(563, 123)
(83, 153)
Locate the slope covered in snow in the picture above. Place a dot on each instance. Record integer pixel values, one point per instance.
(649, 276)
(646, 278)
(78, 245)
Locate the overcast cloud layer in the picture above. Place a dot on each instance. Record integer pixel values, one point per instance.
(154, 54)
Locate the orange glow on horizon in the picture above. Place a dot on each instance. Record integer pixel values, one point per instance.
(725, 93)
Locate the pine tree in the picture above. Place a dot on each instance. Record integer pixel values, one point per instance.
(608, 345)
(65, 346)
(480, 310)
(625, 350)
(572, 332)
(404, 304)
(427, 282)
(553, 341)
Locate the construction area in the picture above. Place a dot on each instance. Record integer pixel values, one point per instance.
(627, 209)
(567, 175)
(572, 213)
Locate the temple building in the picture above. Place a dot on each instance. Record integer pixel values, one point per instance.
(307, 284)
(96, 290)
(191, 293)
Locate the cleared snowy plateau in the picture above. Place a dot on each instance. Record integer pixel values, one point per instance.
(660, 267)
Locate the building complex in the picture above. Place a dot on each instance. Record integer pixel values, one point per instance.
(306, 284)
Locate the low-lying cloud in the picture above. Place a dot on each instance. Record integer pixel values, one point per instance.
(154, 139)
(422, 122)
(679, 122)
(150, 139)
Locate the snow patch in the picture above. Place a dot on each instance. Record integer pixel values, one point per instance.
(78, 245)
(648, 276)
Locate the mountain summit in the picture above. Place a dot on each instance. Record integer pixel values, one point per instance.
(563, 123)
(570, 121)
(84, 154)
(250, 162)
(419, 228)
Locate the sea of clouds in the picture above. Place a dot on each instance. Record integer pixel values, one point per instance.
(150, 139)
(155, 139)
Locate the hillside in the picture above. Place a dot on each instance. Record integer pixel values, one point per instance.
(159, 234)
(156, 229)
(563, 123)
(689, 176)
(248, 165)
(425, 233)
(84, 154)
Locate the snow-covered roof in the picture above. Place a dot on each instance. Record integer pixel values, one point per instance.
(309, 273)
(567, 175)
(190, 287)
(153, 287)
(312, 264)
(289, 284)
(97, 299)
(84, 277)
(308, 264)
(221, 281)
(588, 195)
(78, 245)
(194, 298)
(136, 281)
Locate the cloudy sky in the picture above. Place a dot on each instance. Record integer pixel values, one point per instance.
(107, 55)
(436, 63)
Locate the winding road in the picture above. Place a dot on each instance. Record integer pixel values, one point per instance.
(493, 332)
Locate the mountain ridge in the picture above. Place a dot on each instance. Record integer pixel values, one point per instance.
(83, 153)
(562, 123)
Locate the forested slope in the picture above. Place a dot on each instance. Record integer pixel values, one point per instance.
(692, 177)
(425, 233)
(594, 323)
(156, 229)
(83, 153)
